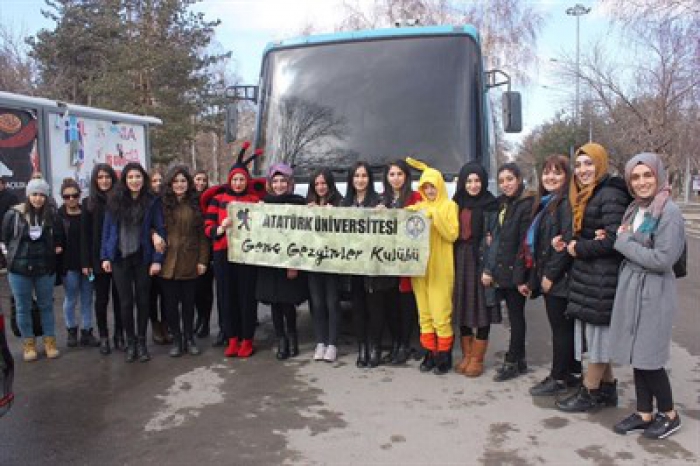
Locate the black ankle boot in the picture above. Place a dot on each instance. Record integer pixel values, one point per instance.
(389, 357)
(191, 346)
(442, 363)
(118, 339)
(104, 346)
(362, 355)
(293, 344)
(608, 393)
(428, 363)
(176, 350)
(375, 355)
(508, 371)
(87, 338)
(142, 350)
(282, 348)
(582, 401)
(131, 352)
(72, 338)
(401, 355)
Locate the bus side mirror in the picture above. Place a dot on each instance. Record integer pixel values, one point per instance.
(231, 122)
(512, 112)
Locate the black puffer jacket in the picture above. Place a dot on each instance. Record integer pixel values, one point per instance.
(503, 261)
(272, 285)
(594, 272)
(548, 262)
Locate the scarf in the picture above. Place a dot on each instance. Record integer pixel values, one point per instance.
(484, 201)
(531, 236)
(654, 205)
(579, 195)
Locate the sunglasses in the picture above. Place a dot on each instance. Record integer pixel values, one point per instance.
(71, 196)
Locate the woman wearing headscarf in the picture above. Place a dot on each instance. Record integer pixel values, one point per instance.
(282, 289)
(651, 238)
(474, 304)
(598, 202)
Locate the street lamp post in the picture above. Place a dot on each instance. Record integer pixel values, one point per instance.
(578, 10)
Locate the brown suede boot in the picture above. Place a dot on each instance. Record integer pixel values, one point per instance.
(466, 343)
(476, 363)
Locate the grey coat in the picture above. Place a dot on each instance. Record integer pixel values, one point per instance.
(646, 299)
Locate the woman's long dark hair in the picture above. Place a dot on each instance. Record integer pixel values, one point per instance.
(120, 202)
(333, 196)
(559, 163)
(97, 196)
(351, 192)
(170, 198)
(405, 193)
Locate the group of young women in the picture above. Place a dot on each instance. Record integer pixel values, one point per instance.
(599, 250)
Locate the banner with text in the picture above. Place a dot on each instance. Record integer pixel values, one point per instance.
(352, 241)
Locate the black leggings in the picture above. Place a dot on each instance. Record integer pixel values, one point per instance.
(178, 303)
(284, 319)
(402, 320)
(236, 285)
(133, 284)
(564, 363)
(653, 384)
(516, 315)
(103, 283)
(482, 333)
(204, 296)
(380, 303)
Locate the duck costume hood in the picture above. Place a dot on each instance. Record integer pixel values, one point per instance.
(433, 291)
(254, 186)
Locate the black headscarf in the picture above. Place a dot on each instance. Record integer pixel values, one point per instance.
(482, 202)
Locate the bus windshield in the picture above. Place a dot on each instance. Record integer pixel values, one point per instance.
(330, 105)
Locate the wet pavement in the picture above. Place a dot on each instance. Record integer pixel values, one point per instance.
(88, 409)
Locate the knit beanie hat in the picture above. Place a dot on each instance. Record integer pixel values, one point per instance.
(38, 186)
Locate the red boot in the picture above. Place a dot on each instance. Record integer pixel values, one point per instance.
(246, 349)
(232, 348)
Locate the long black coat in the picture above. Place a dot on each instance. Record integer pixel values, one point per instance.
(503, 261)
(548, 262)
(273, 286)
(594, 272)
(91, 236)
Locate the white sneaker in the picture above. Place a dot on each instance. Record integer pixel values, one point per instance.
(331, 353)
(319, 352)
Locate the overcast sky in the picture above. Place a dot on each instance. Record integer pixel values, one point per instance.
(248, 25)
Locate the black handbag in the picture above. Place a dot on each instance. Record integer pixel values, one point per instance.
(7, 371)
(680, 268)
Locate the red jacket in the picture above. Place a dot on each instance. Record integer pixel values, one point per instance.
(214, 202)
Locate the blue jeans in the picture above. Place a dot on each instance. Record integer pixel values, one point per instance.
(77, 285)
(23, 289)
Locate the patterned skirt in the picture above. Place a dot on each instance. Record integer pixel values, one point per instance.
(469, 301)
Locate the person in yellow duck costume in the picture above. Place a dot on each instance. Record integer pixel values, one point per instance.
(433, 291)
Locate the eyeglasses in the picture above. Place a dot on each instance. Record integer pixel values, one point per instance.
(71, 196)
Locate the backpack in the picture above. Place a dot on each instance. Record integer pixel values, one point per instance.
(680, 268)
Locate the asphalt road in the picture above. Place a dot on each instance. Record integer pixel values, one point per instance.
(88, 409)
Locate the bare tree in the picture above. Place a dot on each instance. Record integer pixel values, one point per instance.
(16, 69)
(508, 28)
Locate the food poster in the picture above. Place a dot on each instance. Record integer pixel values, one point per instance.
(19, 155)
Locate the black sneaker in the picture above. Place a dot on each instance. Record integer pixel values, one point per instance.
(508, 371)
(662, 426)
(632, 423)
(548, 387)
